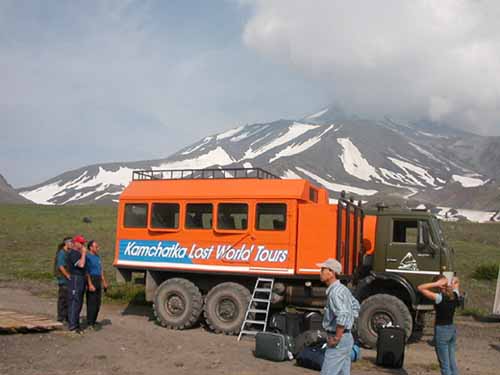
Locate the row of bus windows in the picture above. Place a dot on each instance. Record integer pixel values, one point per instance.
(269, 216)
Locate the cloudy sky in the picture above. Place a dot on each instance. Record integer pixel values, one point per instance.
(85, 81)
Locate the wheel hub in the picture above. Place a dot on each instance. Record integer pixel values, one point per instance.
(227, 310)
(379, 319)
(174, 304)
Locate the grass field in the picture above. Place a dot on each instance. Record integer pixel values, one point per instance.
(29, 235)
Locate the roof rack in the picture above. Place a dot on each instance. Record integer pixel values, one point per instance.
(189, 174)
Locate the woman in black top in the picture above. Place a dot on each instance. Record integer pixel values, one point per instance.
(445, 332)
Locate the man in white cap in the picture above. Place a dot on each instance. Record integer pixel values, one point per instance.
(340, 311)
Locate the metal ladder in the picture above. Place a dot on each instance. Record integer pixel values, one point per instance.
(262, 294)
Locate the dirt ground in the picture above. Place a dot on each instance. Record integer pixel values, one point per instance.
(129, 342)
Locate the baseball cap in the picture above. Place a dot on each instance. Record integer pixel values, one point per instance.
(332, 264)
(80, 239)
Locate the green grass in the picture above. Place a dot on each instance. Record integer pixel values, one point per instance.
(475, 245)
(29, 235)
(486, 272)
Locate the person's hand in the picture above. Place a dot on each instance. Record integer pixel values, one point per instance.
(442, 282)
(455, 283)
(332, 341)
(105, 285)
(92, 287)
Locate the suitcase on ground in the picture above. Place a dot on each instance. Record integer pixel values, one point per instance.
(309, 338)
(287, 323)
(313, 321)
(273, 346)
(391, 347)
(312, 357)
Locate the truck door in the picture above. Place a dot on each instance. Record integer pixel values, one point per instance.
(411, 251)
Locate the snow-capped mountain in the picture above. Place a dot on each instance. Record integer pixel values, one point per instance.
(373, 160)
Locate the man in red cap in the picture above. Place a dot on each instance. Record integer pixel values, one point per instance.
(76, 265)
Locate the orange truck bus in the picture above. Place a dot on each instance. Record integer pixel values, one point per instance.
(203, 237)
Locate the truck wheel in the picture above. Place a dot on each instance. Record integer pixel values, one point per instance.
(378, 310)
(177, 303)
(225, 307)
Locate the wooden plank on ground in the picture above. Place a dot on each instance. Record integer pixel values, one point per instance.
(12, 322)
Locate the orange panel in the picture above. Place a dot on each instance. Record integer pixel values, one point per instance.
(369, 233)
(317, 236)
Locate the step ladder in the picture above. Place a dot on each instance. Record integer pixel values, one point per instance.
(258, 308)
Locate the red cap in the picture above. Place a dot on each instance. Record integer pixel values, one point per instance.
(79, 239)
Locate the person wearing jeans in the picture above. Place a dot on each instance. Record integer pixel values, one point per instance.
(445, 332)
(76, 265)
(340, 311)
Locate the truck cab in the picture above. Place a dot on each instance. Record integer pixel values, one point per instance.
(406, 248)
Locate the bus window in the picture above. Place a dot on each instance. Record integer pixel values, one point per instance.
(165, 215)
(271, 216)
(232, 216)
(199, 216)
(136, 215)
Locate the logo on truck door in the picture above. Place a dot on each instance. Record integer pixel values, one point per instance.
(174, 252)
(408, 263)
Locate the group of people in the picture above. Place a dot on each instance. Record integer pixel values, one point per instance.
(79, 273)
(342, 309)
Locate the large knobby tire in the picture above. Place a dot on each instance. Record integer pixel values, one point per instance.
(225, 307)
(378, 310)
(177, 303)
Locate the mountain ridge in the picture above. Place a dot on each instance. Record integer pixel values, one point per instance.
(373, 159)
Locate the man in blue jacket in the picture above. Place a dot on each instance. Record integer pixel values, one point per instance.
(76, 266)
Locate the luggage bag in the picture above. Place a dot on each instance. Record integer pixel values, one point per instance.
(273, 346)
(287, 323)
(313, 321)
(391, 347)
(312, 357)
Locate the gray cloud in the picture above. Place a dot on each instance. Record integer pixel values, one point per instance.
(95, 81)
(433, 59)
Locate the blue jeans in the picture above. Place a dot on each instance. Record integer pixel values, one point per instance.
(446, 345)
(338, 359)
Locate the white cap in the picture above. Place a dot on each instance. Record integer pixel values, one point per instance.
(332, 264)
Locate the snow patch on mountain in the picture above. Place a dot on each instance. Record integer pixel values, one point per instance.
(419, 171)
(425, 152)
(197, 147)
(318, 114)
(42, 194)
(468, 182)
(432, 135)
(354, 162)
(229, 133)
(391, 175)
(295, 130)
(337, 187)
(100, 182)
(218, 156)
(295, 149)
(453, 214)
(290, 175)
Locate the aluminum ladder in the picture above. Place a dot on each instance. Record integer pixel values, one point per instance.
(258, 307)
